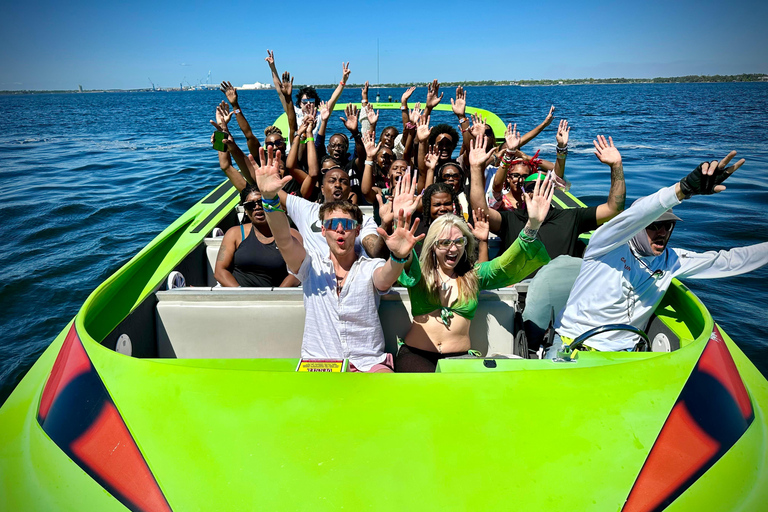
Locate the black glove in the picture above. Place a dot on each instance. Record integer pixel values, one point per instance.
(699, 183)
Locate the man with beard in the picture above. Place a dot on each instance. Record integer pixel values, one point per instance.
(628, 267)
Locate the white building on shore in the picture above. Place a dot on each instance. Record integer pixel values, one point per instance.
(257, 85)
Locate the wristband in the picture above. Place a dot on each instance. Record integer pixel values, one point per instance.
(341, 83)
(309, 139)
(402, 261)
(528, 235)
(410, 126)
(403, 107)
(303, 141)
(562, 150)
(275, 201)
(237, 111)
(369, 162)
(268, 208)
(462, 120)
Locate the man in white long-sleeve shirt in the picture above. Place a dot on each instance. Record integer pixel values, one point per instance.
(627, 266)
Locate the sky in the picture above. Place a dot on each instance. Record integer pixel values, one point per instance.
(53, 45)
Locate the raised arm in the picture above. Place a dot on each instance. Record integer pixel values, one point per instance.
(512, 141)
(404, 106)
(563, 132)
(250, 139)
(350, 122)
(478, 158)
(607, 153)
(706, 179)
(481, 230)
(400, 244)
(313, 163)
(434, 96)
(270, 183)
(528, 137)
(345, 72)
(422, 136)
(459, 107)
(371, 150)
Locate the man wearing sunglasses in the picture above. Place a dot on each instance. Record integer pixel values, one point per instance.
(341, 288)
(628, 267)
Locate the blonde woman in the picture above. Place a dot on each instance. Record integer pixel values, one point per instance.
(444, 283)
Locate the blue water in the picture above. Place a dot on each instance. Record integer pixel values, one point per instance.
(86, 180)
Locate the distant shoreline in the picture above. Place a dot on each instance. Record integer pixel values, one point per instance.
(690, 79)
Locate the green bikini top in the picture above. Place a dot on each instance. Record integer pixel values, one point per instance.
(514, 265)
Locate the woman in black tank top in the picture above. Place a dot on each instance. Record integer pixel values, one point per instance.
(248, 255)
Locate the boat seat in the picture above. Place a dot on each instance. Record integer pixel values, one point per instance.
(269, 323)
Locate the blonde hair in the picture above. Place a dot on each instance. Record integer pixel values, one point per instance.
(269, 130)
(466, 275)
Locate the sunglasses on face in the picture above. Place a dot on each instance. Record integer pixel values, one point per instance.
(517, 175)
(306, 101)
(446, 243)
(277, 144)
(250, 205)
(447, 177)
(346, 224)
(666, 224)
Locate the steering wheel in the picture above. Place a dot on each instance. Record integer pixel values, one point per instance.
(642, 346)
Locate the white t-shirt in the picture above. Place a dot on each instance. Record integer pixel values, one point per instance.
(305, 214)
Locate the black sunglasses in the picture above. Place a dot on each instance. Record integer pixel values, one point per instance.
(250, 205)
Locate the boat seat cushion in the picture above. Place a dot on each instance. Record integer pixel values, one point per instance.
(269, 323)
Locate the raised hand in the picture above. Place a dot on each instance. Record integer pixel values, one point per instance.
(433, 90)
(478, 156)
(550, 116)
(431, 158)
(267, 176)
(371, 148)
(400, 243)
(223, 117)
(270, 58)
(482, 227)
(422, 128)
(325, 112)
(345, 72)
(606, 152)
(460, 105)
(563, 132)
(352, 113)
(385, 211)
(287, 84)
(230, 92)
(404, 197)
(706, 179)
(364, 92)
(407, 95)
(512, 137)
(373, 116)
(478, 126)
(538, 201)
(415, 113)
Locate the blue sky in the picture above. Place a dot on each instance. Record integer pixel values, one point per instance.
(55, 45)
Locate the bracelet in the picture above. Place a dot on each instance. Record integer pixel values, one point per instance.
(303, 141)
(369, 162)
(464, 129)
(275, 201)
(402, 261)
(236, 111)
(562, 150)
(528, 234)
(403, 107)
(341, 83)
(462, 120)
(410, 126)
(309, 139)
(268, 208)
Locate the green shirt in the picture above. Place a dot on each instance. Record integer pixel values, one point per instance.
(514, 265)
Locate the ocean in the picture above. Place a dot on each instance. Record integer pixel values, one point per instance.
(87, 180)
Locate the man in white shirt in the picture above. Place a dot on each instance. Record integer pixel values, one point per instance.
(628, 267)
(341, 287)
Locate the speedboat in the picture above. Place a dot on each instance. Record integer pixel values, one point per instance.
(155, 399)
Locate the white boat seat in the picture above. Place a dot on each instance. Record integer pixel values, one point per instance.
(269, 323)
